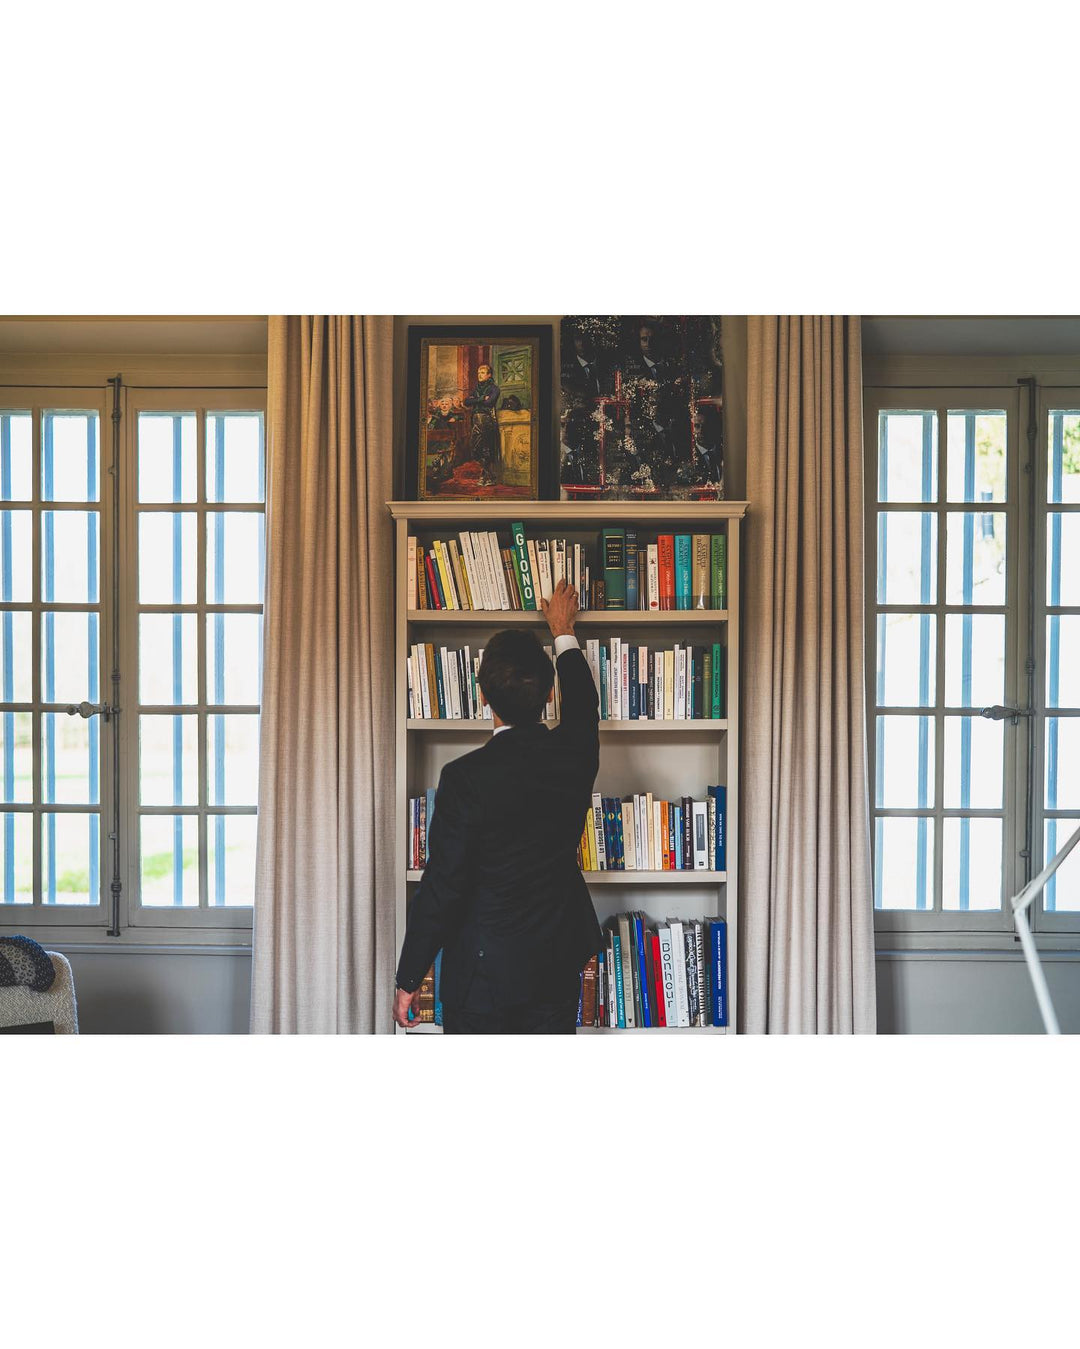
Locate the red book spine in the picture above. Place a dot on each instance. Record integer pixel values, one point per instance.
(436, 604)
(666, 557)
(660, 1019)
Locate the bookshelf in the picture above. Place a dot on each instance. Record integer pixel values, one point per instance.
(672, 758)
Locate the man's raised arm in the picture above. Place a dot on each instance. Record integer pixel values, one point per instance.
(580, 709)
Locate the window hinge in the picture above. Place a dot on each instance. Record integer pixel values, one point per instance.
(87, 710)
(999, 713)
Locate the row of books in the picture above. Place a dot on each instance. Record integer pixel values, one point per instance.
(668, 975)
(678, 571)
(638, 683)
(444, 684)
(635, 833)
(474, 571)
(647, 976)
(642, 833)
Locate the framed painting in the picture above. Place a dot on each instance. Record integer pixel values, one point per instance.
(642, 407)
(478, 418)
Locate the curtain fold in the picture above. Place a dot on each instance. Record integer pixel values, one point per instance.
(807, 935)
(324, 942)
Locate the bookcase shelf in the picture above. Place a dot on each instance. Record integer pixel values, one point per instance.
(676, 757)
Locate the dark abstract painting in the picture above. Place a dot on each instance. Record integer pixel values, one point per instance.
(642, 407)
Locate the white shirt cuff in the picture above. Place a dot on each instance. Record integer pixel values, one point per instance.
(567, 642)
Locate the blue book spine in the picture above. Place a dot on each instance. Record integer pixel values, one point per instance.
(430, 794)
(619, 834)
(603, 683)
(632, 580)
(721, 829)
(438, 989)
(609, 834)
(620, 1006)
(683, 571)
(639, 935)
(635, 700)
(580, 996)
(676, 812)
(718, 951)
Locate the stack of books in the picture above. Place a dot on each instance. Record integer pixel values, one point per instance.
(474, 571)
(642, 833)
(670, 974)
(678, 571)
(444, 684)
(430, 1013)
(638, 683)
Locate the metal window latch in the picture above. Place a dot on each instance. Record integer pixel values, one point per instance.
(999, 713)
(87, 710)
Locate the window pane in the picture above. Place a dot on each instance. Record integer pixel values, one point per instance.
(168, 760)
(16, 455)
(69, 556)
(975, 445)
(974, 763)
(17, 885)
(70, 657)
(1062, 763)
(232, 751)
(905, 761)
(907, 456)
(234, 658)
(971, 872)
(907, 557)
(975, 558)
(234, 456)
(906, 669)
(974, 660)
(903, 858)
(234, 557)
(70, 859)
(70, 759)
(1062, 893)
(167, 557)
(69, 456)
(167, 448)
(1062, 558)
(230, 841)
(16, 756)
(1063, 477)
(15, 564)
(1063, 660)
(168, 659)
(15, 659)
(169, 861)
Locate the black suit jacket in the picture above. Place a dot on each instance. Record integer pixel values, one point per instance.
(502, 892)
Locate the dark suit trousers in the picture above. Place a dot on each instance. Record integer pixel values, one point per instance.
(482, 1014)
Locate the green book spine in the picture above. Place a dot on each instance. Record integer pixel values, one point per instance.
(620, 1006)
(719, 571)
(521, 552)
(613, 551)
(708, 698)
(683, 571)
(717, 679)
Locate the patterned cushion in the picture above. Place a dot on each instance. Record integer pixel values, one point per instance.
(23, 961)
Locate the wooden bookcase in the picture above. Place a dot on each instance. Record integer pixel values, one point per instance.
(669, 758)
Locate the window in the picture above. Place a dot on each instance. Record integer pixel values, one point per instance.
(130, 658)
(951, 559)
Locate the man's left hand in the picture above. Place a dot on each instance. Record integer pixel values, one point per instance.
(402, 1002)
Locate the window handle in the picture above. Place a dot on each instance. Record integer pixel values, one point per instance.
(999, 713)
(87, 710)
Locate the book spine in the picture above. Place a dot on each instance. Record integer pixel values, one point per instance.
(688, 833)
(617, 978)
(693, 993)
(679, 708)
(635, 691)
(434, 587)
(712, 829)
(665, 544)
(626, 816)
(721, 829)
(438, 1017)
(613, 548)
(598, 831)
(601, 987)
(414, 601)
(558, 562)
(628, 971)
(702, 974)
(643, 981)
(652, 569)
(460, 579)
(667, 972)
(701, 835)
(528, 594)
(657, 986)
(683, 574)
(718, 679)
(700, 596)
(678, 966)
(719, 571)
(698, 703)
(446, 575)
(631, 569)
(543, 558)
(534, 565)
(718, 948)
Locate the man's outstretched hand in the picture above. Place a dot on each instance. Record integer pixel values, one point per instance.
(561, 610)
(402, 1002)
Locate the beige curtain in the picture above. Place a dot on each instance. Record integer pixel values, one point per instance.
(324, 910)
(807, 907)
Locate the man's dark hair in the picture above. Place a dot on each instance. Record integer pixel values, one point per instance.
(516, 676)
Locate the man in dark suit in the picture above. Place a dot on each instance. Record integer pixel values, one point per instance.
(502, 893)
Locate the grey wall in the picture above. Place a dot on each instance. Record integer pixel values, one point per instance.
(153, 993)
(972, 995)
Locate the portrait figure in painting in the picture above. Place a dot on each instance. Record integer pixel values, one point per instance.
(478, 435)
(650, 390)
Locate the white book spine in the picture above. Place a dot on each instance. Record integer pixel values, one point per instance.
(700, 834)
(543, 558)
(421, 669)
(680, 683)
(592, 655)
(558, 561)
(482, 551)
(466, 667)
(678, 960)
(658, 686)
(598, 830)
(658, 847)
(624, 691)
(667, 974)
(629, 836)
(650, 833)
(616, 678)
(411, 683)
(448, 684)
(669, 685)
(414, 593)
(577, 567)
(643, 682)
(612, 1008)
(652, 567)
(468, 562)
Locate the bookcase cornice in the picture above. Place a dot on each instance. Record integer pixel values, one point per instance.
(567, 513)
